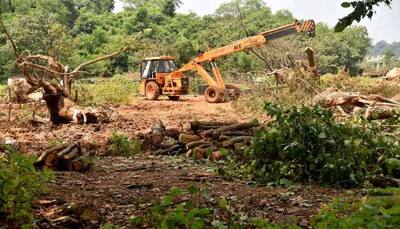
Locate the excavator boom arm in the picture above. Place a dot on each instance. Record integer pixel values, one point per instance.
(263, 38)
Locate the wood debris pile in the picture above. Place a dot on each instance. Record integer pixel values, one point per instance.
(201, 139)
(68, 215)
(347, 103)
(393, 74)
(64, 157)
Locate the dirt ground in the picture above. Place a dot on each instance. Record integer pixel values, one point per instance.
(121, 187)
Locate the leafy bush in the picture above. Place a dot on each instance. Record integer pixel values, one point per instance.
(20, 183)
(122, 145)
(308, 145)
(372, 212)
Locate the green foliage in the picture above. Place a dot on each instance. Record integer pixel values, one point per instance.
(122, 145)
(361, 9)
(181, 209)
(75, 31)
(3, 91)
(194, 208)
(336, 50)
(20, 183)
(109, 226)
(95, 6)
(372, 212)
(117, 90)
(307, 145)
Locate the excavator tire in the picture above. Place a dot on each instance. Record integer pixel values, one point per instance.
(173, 97)
(153, 90)
(235, 94)
(213, 94)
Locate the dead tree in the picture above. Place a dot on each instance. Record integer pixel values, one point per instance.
(56, 80)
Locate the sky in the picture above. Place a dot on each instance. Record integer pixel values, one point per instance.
(385, 25)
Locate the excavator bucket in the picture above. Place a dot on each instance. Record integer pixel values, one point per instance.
(307, 26)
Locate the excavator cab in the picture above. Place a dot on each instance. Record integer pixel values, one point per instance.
(156, 78)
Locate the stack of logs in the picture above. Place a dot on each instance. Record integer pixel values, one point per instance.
(205, 139)
(64, 157)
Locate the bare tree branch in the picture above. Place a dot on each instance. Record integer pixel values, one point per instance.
(9, 37)
(248, 34)
(74, 72)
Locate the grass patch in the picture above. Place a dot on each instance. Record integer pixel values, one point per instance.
(3, 91)
(122, 145)
(118, 90)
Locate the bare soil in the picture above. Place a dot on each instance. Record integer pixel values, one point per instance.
(122, 187)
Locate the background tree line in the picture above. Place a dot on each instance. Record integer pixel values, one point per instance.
(77, 30)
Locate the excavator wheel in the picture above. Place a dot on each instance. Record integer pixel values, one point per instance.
(153, 90)
(213, 94)
(234, 92)
(173, 98)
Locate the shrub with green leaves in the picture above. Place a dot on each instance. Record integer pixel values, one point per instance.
(20, 183)
(194, 208)
(371, 212)
(122, 145)
(307, 144)
(186, 214)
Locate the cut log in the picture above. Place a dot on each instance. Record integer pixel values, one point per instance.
(43, 156)
(197, 143)
(196, 125)
(236, 133)
(72, 154)
(50, 160)
(199, 153)
(240, 126)
(64, 157)
(240, 139)
(173, 148)
(188, 138)
(81, 164)
(66, 150)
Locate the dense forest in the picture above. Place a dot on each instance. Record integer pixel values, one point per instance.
(77, 30)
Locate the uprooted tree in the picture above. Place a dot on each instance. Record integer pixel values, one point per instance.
(41, 71)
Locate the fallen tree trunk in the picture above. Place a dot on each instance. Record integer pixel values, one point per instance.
(42, 71)
(374, 106)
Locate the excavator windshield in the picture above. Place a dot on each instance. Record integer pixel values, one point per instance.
(166, 66)
(149, 68)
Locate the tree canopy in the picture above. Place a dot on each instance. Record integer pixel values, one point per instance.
(78, 30)
(361, 9)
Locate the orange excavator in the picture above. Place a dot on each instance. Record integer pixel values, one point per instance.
(160, 75)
